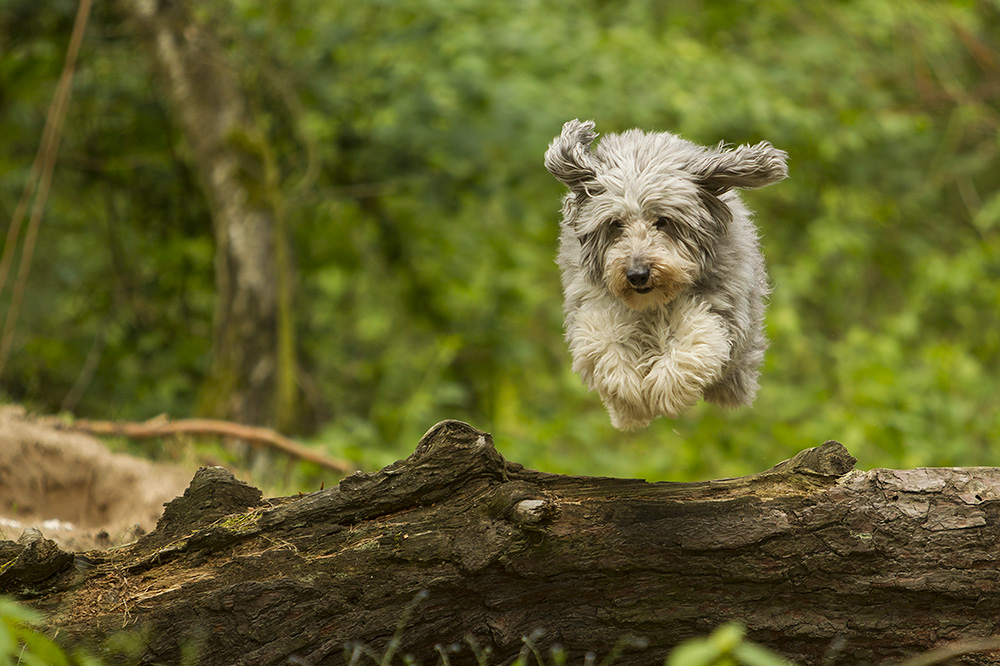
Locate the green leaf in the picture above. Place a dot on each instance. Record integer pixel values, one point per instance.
(42, 648)
(696, 652)
(751, 654)
(7, 644)
(13, 612)
(726, 637)
(85, 659)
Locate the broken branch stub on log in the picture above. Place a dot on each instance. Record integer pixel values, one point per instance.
(822, 564)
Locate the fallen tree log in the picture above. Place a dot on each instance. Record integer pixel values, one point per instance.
(823, 564)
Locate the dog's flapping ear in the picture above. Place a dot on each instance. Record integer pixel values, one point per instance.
(720, 169)
(570, 159)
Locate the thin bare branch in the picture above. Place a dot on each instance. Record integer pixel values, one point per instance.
(256, 436)
(42, 169)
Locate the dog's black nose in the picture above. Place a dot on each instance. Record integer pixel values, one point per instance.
(637, 275)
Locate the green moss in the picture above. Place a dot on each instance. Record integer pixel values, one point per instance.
(6, 565)
(238, 523)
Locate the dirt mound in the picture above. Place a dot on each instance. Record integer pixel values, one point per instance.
(73, 489)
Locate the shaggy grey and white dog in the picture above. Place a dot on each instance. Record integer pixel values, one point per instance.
(663, 278)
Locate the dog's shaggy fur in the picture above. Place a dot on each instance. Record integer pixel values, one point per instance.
(663, 278)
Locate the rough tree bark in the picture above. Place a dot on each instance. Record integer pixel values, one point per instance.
(823, 564)
(252, 377)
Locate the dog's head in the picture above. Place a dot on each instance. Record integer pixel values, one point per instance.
(649, 208)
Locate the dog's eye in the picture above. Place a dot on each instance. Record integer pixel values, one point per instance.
(616, 225)
(664, 224)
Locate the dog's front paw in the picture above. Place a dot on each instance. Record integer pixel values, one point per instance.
(691, 361)
(627, 416)
(672, 386)
(620, 384)
(617, 380)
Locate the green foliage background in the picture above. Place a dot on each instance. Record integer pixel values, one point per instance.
(410, 136)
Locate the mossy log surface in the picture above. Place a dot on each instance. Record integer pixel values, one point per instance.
(822, 563)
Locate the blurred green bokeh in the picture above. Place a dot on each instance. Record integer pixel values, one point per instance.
(410, 136)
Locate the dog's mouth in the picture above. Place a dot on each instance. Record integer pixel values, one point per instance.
(642, 290)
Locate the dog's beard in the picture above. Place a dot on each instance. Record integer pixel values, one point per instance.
(669, 275)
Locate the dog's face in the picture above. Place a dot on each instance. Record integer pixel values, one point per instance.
(646, 208)
(642, 237)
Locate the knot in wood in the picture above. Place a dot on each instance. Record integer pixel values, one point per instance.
(30, 536)
(213, 493)
(31, 563)
(529, 512)
(830, 459)
(459, 449)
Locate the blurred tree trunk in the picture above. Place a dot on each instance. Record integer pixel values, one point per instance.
(253, 373)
